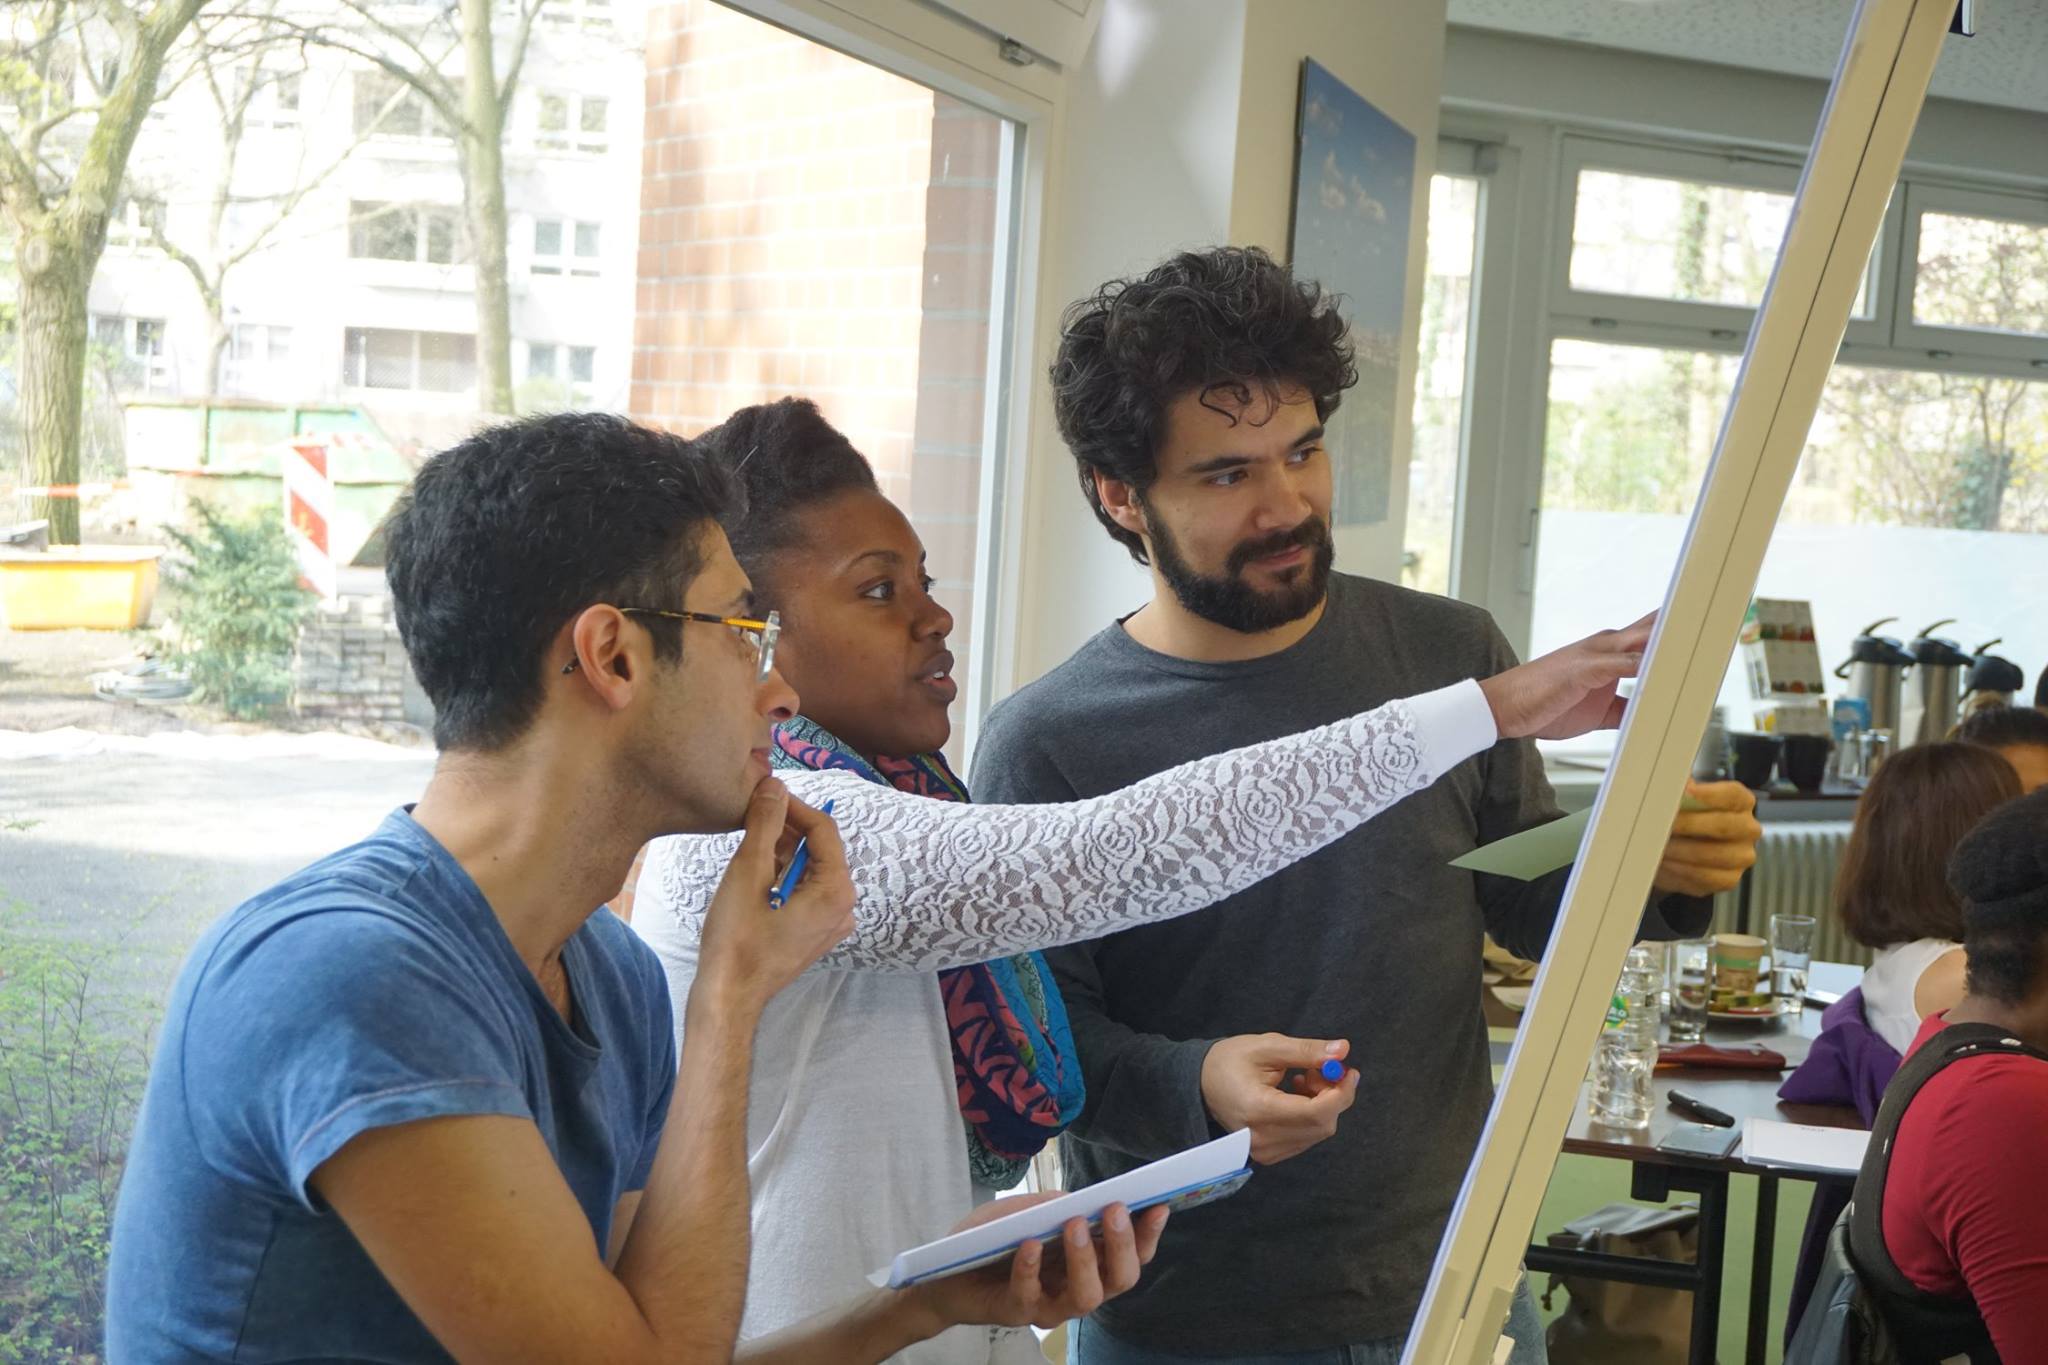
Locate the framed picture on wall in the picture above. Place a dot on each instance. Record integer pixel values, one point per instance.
(1354, 182)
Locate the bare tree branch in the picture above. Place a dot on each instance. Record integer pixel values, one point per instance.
(529, 11)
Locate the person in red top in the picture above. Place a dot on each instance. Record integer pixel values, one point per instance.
(1966, 1198)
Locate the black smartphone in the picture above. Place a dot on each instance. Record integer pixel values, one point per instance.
(1701, 1140)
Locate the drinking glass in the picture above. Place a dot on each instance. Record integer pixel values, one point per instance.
(1690, 973)
(1791, 955)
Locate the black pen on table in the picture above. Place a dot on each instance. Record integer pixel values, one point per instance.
(1705, 1113)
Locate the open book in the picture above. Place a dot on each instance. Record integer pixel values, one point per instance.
(1195, 1176)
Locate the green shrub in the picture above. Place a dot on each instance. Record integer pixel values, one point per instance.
(239, 609)
(74, 1054)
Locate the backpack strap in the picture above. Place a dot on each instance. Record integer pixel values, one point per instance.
(1957, 1042)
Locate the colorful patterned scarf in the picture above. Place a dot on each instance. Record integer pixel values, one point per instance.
(1013, 1059)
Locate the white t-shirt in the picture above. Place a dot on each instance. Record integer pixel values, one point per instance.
(1889, 983)
(855, 1144)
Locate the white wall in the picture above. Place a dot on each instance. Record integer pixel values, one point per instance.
(1178, 130)
(1143, 166)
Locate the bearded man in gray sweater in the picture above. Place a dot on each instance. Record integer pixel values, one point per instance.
(1194, 399)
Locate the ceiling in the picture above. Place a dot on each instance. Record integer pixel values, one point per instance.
(2006, 63)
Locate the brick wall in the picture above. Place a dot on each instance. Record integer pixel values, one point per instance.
(810, 224)
(782, 226)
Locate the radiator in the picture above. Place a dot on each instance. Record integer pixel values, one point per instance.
(1794, 874)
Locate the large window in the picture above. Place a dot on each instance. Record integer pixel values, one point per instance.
(386, 358)
(386, 106)
(1923, 490)
(427, 233)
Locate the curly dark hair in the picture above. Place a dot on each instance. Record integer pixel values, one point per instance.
(2000, 869)
(1223, 321)
(504, 538)
(787, 457)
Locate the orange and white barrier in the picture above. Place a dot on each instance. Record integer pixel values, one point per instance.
(309, 510)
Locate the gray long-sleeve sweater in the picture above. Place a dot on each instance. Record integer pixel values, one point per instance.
(1375, 939)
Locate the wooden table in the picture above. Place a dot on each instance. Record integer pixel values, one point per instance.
(1657, 1173)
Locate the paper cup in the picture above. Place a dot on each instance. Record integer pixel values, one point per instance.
(1738, 963)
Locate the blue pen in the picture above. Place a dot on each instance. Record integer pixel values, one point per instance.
(796, 867)
(1333, 1070)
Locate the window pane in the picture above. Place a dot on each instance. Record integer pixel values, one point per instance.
(582, 364)
(383, 232)
(594, 109)
(441, 238)
(1440, 382)
(149, 336)
(447, 361)
(540, 361)
(1919, 495)
(390, 356)
(554, 114)
(1690, 240)
(286, 84)
(547, 237)
(586, 239)
(1988, 274)
(400, 106)
(280, 344)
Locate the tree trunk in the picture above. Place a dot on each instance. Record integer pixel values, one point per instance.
(216, 343)
(483, 174)
(52, 319)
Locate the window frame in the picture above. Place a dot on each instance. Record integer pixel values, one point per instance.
(1947, 345)
(565, 261)
(1596, 312)
(1523, 303)
(572, 139)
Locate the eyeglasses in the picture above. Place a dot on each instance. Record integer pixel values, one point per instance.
(760, 634)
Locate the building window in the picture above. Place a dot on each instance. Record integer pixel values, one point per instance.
(548, 360)
(269, 99)
(386, 106)
(561, 247)
(427, 233)
(135, 223)
(387, 358)
(577, 13)
(259, 358)
(569, 122)
(133, 350)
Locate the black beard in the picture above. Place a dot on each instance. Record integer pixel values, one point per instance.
(1234, 604)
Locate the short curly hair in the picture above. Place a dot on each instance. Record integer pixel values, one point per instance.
(504, 538)
(2000, 870)
(1226, 320)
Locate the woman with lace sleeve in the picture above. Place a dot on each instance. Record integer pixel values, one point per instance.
(925, 1060)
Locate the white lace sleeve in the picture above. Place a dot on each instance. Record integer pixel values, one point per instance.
(943, 884)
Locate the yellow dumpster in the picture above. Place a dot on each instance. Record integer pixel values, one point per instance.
(98, 587)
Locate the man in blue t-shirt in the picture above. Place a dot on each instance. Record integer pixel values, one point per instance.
(409, 1104)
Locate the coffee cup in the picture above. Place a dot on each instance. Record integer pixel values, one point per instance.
(1738, 961)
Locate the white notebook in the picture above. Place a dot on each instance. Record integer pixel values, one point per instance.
(1194, 1176)
(1803, 1146)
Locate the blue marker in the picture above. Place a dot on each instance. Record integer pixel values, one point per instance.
(797, 860)
(1333, 1070)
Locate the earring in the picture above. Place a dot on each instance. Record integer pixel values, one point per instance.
(570, 667)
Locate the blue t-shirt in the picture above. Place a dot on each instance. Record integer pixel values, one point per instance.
(374, 988)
